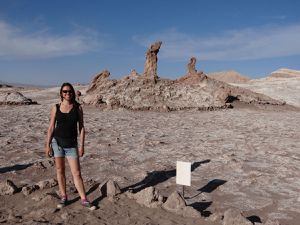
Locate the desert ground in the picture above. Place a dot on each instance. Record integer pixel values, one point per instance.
(245, 158)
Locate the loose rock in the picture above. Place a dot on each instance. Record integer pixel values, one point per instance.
(109, 189)
(235, 217)
(47, 183)
(27, 190)
(149, 197)
(8, 188)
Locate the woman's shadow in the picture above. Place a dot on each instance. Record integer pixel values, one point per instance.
(156, 177)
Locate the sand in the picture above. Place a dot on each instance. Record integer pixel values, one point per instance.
(245, 158)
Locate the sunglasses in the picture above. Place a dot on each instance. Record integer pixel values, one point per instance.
(67, 91)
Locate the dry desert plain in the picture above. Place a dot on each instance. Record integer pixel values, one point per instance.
(246, 158)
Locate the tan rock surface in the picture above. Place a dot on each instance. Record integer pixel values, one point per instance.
(285, 73)
(150, 69)
(191, 67)
(230, 76)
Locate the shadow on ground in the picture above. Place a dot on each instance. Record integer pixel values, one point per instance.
(15, 167)
(156, 177)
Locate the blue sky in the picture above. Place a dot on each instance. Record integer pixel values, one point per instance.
(49, 42)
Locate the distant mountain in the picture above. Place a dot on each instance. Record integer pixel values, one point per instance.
(4, 84)
(22, 85)
(230, 76)
(285, 73)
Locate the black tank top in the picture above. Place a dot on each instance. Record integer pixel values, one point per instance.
(65, 131)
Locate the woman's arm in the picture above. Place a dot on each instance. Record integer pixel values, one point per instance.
(81, 132)
(49, 151)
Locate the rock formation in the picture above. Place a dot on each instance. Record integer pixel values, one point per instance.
(98, 79)
(14, 98)
(193, 90)
(191, 67)
(192, 76)
(150, 70)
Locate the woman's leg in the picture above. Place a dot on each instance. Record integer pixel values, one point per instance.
(61, 176)
(75, 169)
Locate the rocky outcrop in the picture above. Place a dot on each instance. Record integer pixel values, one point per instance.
(14, 98)
(150, 70)
(98, 79)
(191, 67)
(195, 90)
(192, 76)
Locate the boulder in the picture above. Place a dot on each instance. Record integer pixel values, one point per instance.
(113, 188)
(27, 190)
(49, 183)
(234, 217)
(149, 197)
(174, 202)
(109, 189)
(8, 188)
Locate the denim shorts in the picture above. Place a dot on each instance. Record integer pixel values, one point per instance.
(63, 152)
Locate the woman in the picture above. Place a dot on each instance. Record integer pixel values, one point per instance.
(62, 142)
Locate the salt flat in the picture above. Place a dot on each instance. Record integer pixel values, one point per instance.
(246, 157)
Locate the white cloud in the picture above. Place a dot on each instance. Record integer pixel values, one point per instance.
(17, 43)
(252, 43)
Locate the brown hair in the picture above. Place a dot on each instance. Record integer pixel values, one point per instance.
(73, 97)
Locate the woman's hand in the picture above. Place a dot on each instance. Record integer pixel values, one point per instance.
(49, 152)
(81, 151)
